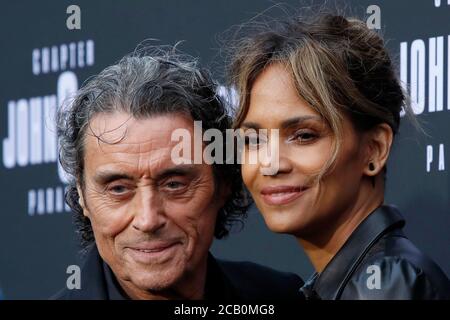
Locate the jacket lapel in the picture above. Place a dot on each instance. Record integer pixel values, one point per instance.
(330, 283)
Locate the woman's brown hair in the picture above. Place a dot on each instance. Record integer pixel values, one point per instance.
(338, 65)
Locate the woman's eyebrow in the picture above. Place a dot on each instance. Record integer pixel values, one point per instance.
(250, 125)
(285, 123)
(298, 120)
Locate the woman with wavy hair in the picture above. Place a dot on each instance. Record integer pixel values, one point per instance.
(328, 86)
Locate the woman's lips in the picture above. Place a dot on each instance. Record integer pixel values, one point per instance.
(280, 195)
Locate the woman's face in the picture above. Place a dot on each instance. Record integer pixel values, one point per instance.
(290, 200)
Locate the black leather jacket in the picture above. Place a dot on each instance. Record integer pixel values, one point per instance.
(379, 262)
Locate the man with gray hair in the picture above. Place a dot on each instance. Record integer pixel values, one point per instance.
(146, 223)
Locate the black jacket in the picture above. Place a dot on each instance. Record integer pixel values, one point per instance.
(225, 281)
(379, 262)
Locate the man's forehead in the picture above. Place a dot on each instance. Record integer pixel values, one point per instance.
(121, 139)
(120, 130)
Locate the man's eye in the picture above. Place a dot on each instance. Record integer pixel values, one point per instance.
(174, 185)
(118, 189)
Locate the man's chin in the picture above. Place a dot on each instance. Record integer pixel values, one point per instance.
(157, 280)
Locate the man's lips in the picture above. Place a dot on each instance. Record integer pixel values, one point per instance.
(280, 195)
(153, 252)
(156, 246)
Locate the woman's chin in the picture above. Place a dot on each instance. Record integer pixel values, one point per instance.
(283, 222)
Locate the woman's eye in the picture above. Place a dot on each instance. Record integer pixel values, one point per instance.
(253, 141)
(305, 136)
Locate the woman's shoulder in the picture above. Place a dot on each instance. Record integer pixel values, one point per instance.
(394, 268)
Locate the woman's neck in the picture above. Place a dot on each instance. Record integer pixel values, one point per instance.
(323, 245)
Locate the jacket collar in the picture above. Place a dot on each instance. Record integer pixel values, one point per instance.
(93, 278)
(330, 283)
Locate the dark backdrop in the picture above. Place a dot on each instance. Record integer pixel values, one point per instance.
(37, 241)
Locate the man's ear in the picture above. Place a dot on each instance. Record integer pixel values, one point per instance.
(379, 141)
(81, 201)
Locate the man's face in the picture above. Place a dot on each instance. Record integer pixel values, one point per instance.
(153, 220)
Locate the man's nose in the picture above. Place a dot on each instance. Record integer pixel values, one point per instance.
(149, 216)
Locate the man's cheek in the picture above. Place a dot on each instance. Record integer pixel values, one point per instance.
(101, 201)
(189, 224)
(202, 201)
(201, 222)
(109, 223)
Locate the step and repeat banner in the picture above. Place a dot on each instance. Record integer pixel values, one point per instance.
(48, 48)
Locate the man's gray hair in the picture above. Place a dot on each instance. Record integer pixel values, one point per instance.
(152, 81)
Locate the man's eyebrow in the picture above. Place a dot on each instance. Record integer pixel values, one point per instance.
(107, 176)
(285, 123)
(180, 170)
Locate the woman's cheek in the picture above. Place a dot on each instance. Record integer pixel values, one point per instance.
(310, 159)
(249, 174)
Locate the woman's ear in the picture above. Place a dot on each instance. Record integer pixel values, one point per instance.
(81, 201)
(379, 141)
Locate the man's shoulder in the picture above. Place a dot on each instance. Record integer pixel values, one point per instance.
(63, 294)
(255, 281)
(92, 280)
